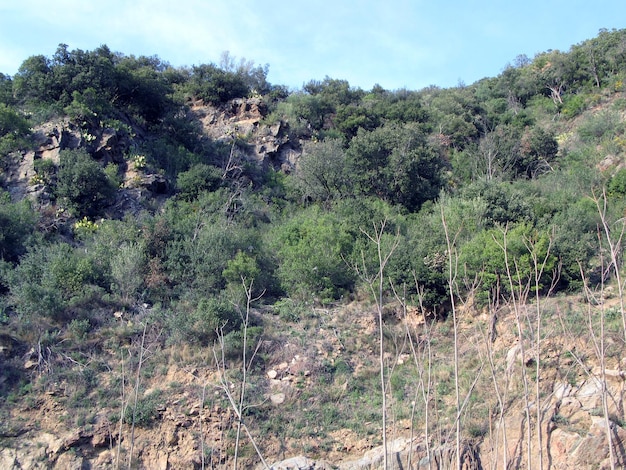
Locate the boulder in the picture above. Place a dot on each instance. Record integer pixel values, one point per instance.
(301, 463)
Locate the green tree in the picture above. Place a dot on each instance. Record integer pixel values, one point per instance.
(33, 81)
(309, 249)
(6, 90)
(14, 129)
(215, 85)
(17, 227)
(83, 184)
(143, 88)
(538, 151)
(395, 162)
(322, 171)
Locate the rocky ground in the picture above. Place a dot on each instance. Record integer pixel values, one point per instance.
(193, 417)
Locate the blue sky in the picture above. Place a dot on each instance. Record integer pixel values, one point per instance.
(395, 43)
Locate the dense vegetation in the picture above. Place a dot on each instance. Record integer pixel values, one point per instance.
(494, 157)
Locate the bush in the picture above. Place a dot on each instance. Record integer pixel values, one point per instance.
(52, 280)
(216, 86)
(309, 248)
(201, 323)
(13, 129)
(604, 124)
(83, 184)
(197, 179)
(617, 184)
(17, 224)
(483, 257)
(145, 412)
(573, 106)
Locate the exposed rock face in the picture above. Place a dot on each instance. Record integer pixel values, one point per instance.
(240, 121)
(574, 428)
(106, 145)
(109, 146)
(243, 119)
(240, 116)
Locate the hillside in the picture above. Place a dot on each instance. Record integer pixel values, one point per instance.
(200, 269)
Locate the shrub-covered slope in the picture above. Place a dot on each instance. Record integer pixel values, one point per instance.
(159, 221)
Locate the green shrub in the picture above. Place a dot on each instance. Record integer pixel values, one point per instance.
(17, 226)
(604, 124)
(83, 184)
(52, 280)
(484, 257)
(45, 168)
(146, 410)
(573, 106)
(197, 179)
(14, 129)
(216, 86)
(617, 184)
(309, 248)
(200, 324)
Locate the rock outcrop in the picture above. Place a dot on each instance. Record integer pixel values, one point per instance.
(243, 120)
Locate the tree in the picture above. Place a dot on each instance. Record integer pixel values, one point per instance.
(499, 153)
(198, 178)
(255, 77)
(13, 129)
(309, 248)
(6, 90)
(322, 171)
(83, 184)
(215, 85)
(555, 70)
(537, 152)
(142, 87)
(17, 225)
(395, 163)
(32, 83)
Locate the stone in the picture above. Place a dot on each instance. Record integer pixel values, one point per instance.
(301, 462)
(69, 461)
(277, 398)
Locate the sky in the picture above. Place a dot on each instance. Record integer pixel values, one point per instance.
(396, 44)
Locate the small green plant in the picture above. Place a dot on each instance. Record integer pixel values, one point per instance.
(36, 179)
(289, 310)
(84, 227)
(560, 420)
(146, 412)
(139, 161)
(79, 328)
(88, 137)
(113, 174)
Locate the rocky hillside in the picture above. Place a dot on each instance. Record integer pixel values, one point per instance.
(241, 119)
(199, 269)
(303, 371)
(308, 368)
